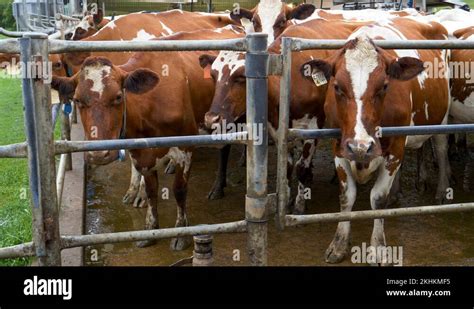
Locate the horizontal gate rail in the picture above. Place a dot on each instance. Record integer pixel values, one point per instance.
(28, 249)
(305, 44)
(61, 46)
(294, 220)
(385, 131)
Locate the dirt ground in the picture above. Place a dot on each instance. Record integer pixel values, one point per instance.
(446, 239)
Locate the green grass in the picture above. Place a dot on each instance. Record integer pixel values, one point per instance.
(15, 215)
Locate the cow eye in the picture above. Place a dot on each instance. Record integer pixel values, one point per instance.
(384, 89)
(240, 79)
(77, 102)
(57, 65)
(118, 99)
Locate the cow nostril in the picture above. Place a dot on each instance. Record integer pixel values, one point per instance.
(350, 147)
(370, 148)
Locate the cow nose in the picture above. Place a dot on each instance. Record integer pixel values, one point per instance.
(360, 149)
(211, 118)
(98, 154)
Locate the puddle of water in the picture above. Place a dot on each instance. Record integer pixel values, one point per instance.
(446, 239)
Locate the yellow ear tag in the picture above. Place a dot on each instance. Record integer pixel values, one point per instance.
(318, 78)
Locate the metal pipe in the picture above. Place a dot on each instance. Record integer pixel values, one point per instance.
(30, 132)
(66, 135)
(14, 150)
(13, 34)
(9, 46)
(305, 44)
(154, 142)
(60, 177)
(21, 250)
(256, 71)
(109, 238)
(45, 160)
(60, 46)
(282, 133)
(294, 220)
(385, 131)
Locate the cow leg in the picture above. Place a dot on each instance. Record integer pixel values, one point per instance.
(461, 145)
(444, 169)
(170, 168)
(339, 246)
(180, 190)
(132, 191)
(243, 158)
(217, 191)
(378, 200)
(151, 221)
(304, 173)
(421, 170)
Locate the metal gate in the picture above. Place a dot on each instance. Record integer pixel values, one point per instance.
(41, 149)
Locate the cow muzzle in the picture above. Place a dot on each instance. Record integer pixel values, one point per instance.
(101, 157)
(361, 151)
(211, 119)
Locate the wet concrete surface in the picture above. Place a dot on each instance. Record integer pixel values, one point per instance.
(444, 239)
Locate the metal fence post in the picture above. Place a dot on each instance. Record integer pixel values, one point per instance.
(66, 134)
(282, 133)
(41, 161)
(256, 70)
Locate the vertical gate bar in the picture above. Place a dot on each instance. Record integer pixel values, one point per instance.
(283, 189)
(66, 135)
(36, 210)
(46, 165)
(256, 70)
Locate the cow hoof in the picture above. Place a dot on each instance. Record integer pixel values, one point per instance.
(170, 168)
(145, 243)
(216, 194)
(336, 252)
(139, 202)
(180, 243)
(129, 197)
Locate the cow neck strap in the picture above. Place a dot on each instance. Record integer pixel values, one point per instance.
(123, 130)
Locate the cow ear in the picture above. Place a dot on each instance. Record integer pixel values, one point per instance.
(98, 16)
(241, 13)
(66, 86)
(405, 68)
(317, 65)
(140, 81)
(302, 11)
(206, 60)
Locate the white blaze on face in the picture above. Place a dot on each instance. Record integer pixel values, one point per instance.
(360, 63)
(268, 11)
(228, 59)
(96, 74)
(142, 35)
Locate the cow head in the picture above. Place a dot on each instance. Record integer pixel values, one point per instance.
(360, 75)
(98, 90)
(271, 16)
(90, 24)
(228, 72)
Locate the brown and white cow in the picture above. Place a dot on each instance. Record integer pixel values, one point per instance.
(371, 88)
(307, 102)
(271, 17)
(147, 26)
(89, 25)
(462, 80)
(153, 102)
